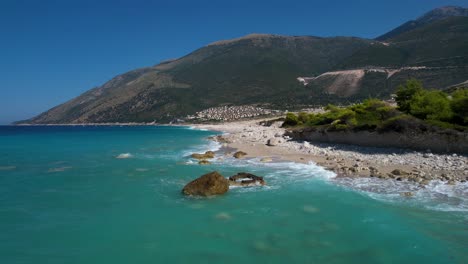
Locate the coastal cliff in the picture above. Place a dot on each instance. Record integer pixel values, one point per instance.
(435, 141)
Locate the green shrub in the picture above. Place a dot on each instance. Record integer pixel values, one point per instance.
(398, 124)
(405, 94)
(459, 106)
(435, 107)
(303, 118)
(291, 120)
(431, 105)
(317, 119)
(338, 127)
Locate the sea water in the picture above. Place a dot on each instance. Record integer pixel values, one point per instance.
(113, 195)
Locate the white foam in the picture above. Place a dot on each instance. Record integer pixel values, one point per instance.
(124, 156)
(209, 146)
(197, 128)
(59, 169)
(277, 174)
(437, 195)
(6, 168)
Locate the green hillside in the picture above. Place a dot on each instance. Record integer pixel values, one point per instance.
(263, 69)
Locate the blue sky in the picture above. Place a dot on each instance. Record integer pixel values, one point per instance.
(52, 51)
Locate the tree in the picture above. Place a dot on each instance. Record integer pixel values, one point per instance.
(431, 105)
(459, 105)
(405, 94)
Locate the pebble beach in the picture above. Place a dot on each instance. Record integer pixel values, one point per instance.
(268, 143)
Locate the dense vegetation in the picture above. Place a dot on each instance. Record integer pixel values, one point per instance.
(433, 106)
(417, 108)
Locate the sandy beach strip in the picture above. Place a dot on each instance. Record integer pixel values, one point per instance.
(344, 160)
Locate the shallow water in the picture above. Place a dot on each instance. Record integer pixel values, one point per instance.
(65, 197)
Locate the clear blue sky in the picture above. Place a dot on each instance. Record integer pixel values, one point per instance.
(52, 51)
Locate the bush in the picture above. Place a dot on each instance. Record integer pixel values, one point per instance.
(291, 120)
(459, 106)
(431, 105)
(303, 117)
(400, 124)
(435, 107)
(405, 94)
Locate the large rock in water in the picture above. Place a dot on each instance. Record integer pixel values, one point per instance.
(207, 155)
(211, 183)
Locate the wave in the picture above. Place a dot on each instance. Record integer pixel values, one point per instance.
(196, 128)
(59, 169)
(208, 146)
(7, 168)
(437, 195)
(124, 156)
(276, 174)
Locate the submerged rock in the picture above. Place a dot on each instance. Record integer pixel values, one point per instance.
(239, 154)
(206, 155)
(204, 162)
(209, 184)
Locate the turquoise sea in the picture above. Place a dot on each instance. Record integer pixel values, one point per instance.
(66, 198)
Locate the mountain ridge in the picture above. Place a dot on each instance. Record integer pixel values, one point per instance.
(431, 16)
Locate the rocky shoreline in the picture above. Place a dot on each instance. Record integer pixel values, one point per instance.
(270, 143)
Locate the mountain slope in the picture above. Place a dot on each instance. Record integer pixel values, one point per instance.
(263, 69)
(441, 43)
(253, 69)
(432, 16)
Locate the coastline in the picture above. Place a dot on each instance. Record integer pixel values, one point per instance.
(348, 161)
(90, 124)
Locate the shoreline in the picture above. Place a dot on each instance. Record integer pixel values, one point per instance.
(346, 161)
(91, 124)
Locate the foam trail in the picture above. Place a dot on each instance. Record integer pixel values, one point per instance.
(437, 195)
(6, 168)
(196, 128)
(124, 156)
(59, 169)
(209, 146)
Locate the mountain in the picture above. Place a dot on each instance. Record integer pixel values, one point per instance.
(431, 16)
(281, 72)
(257, 68)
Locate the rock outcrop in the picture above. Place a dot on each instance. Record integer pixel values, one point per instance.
(206, 155)
(273, 141)
(239, 154)
(209, 184)
(246, 179)
(438, 140)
